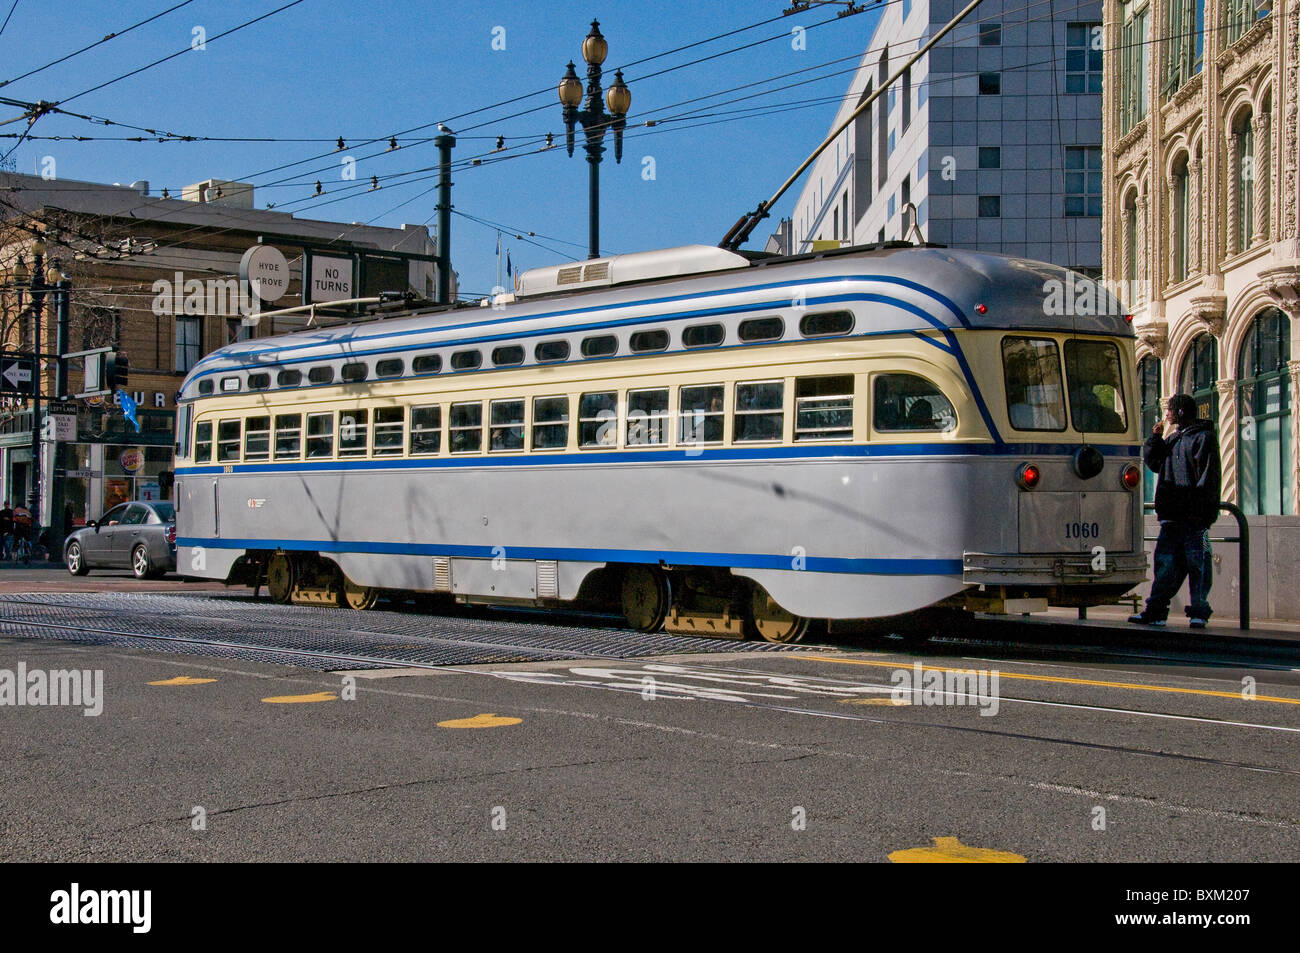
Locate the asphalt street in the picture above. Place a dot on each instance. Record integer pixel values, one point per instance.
(722, 756)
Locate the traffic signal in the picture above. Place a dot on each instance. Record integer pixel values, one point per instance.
(116, 368)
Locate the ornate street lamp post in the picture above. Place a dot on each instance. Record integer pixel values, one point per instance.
(594, 119)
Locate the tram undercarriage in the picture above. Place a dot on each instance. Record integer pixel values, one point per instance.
(715, 602)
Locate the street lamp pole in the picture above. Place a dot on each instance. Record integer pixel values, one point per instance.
(594, 120)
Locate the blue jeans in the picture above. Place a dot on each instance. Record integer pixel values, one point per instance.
(1182, 552)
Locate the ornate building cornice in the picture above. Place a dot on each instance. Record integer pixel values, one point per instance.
(1208, 311)
(1281, 278)
(1134, 138)
(1247, 47)
(1153, 339)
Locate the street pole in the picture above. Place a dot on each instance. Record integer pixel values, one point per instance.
(594, 120)
(58, 480)
(38, 305)
(444, 144)
(594, 151)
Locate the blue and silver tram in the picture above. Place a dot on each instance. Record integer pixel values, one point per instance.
(714, 443)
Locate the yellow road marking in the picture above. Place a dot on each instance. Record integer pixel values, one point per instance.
(299, 699)
(1059, 679)
(184, 680)
(896, 702)
(480, 721)
(950, 850)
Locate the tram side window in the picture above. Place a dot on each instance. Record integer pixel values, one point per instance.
(427, 364)
(391, 367)
(601, 345)
(354, 430)
(320, 435)
(598, 420)
(700, 414)
(507, 431)
(426, 429)
(259, 381)
(288, 436)
(228, 440)
(550, 423)
(762, 329)
(389, 425)
(322, 374)
(823, 408)
(647, 418)
(759, 411)
(257, 438)
(465, 423)
(909, 402)
(1035, 394)
(205, 386)
(288, 378)
(354, 372)
(203, 442)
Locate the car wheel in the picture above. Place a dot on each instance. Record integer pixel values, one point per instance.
(76, 559)
(141, 563)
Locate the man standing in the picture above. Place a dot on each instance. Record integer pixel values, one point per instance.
(1184, 451)
(6, 529)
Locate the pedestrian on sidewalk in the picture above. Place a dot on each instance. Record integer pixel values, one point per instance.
(1184, 451)
(6, 529)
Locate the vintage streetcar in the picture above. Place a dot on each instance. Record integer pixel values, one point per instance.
(709, 442)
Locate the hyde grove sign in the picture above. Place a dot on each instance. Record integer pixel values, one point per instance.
(266, 271)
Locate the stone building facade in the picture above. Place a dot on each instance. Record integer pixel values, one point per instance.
(1200, 232)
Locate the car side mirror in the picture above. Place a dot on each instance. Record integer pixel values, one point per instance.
(92, 524)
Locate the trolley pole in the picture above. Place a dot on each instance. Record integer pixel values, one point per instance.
(444, 144)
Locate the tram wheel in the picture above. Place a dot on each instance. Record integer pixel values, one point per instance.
(769, 622)
(646, 598)
(359, 597)
(281, 575)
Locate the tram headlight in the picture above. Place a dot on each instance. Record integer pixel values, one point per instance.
(1130, 477)
(1027, 476)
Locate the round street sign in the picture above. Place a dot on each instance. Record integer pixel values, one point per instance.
(266, 271)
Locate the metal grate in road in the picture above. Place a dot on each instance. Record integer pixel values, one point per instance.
(324, 638)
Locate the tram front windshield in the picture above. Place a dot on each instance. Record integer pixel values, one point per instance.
(1036, 391)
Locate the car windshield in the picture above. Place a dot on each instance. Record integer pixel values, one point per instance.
(166, 512)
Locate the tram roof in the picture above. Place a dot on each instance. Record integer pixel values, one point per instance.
(946, 288)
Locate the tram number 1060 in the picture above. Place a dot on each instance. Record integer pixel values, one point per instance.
(1082, 530)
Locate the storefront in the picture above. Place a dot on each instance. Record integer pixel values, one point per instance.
(109, 463)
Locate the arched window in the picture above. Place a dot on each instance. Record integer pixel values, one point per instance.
(1264, 411)
(1130, 247)
(1149, 400)
(1180, 209)
(1243, 169)
(1197, 376)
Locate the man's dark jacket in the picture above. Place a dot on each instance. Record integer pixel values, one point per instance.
(1190, 477)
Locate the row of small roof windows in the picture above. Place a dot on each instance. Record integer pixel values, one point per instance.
(751, 331)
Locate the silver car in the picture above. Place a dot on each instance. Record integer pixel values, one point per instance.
(136, 536)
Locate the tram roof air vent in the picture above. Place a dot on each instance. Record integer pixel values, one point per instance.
(635, 266)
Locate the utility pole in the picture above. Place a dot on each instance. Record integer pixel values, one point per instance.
(444, 144)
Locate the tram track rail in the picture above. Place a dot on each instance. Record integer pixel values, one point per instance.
(312, 636)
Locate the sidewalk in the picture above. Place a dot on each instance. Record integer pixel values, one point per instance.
(1112, 617)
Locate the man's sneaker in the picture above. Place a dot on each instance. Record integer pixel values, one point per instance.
(1196, 623)
(1143, 619)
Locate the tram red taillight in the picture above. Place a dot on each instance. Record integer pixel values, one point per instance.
(1027, 476)
(1131, 477)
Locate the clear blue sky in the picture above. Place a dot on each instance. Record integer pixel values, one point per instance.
(329, 68)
